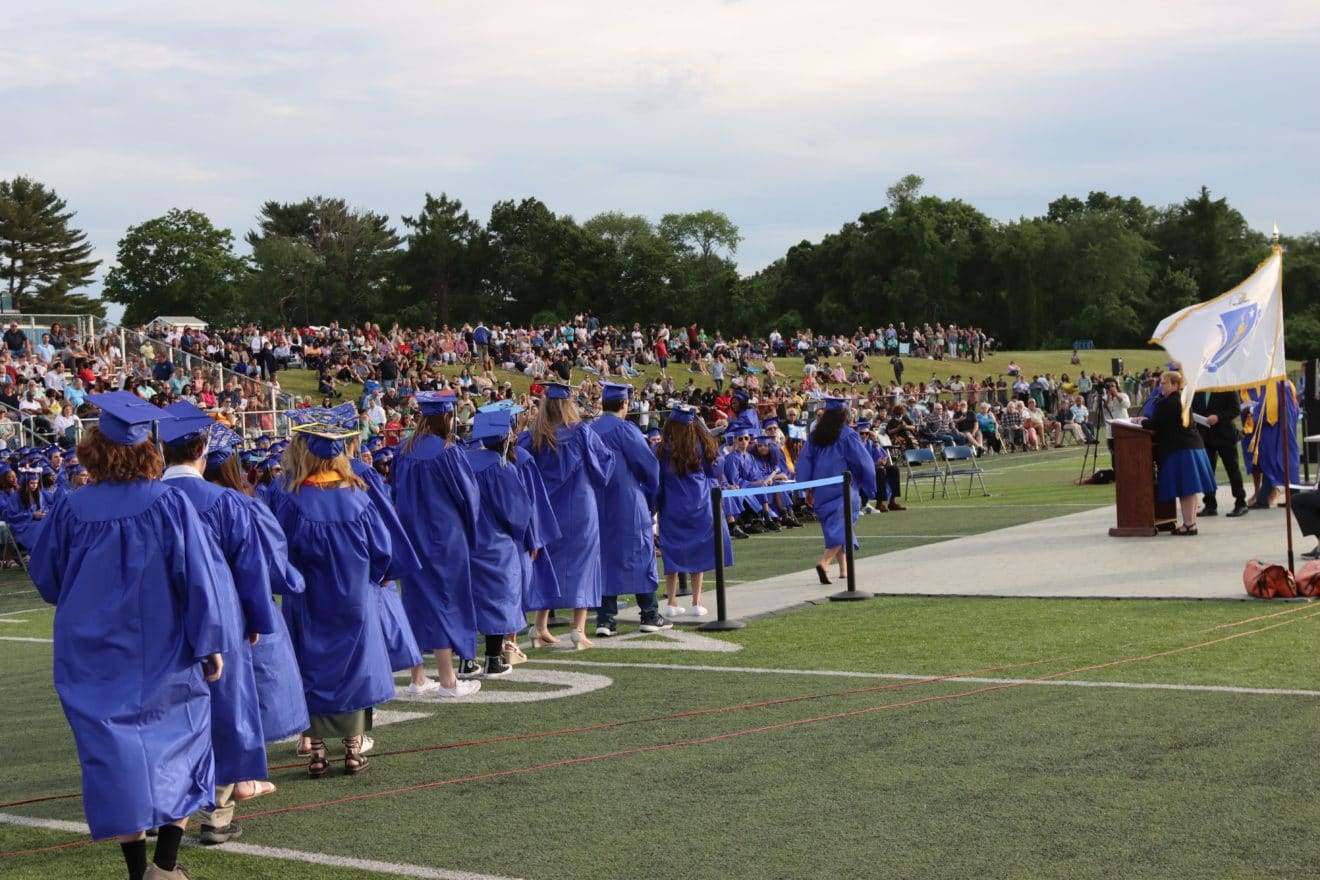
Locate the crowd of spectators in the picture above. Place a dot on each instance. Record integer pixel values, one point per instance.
(234, 374)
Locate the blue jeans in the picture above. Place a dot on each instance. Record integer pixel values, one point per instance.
(647, 604)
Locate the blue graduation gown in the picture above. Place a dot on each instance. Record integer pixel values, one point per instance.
(399, 640)
(339, 543)
(24, 523)
(572, 472)
(1268, 457)
(819, 462)
(274, 663)
(236, 732)
(687, 529)
(624, 504)
(506, 513)
(139, 601)
(439, 506)
(540, 584)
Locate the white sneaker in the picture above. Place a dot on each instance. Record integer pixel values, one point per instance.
(673, 611)
(461, 689)
(426, 687)
(866, 510)
(367, 745)
(698, 611)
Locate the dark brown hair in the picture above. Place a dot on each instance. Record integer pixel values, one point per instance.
(229, 475)
(441, 425)
(687, 447)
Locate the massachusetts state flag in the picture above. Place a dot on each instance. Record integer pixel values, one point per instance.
(1233, 341)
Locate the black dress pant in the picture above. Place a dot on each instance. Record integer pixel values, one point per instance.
(1233, 469)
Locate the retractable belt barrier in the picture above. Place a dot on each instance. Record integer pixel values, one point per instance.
(722, 622)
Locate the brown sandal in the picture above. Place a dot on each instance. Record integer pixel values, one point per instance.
(318, 765)
(354, 761)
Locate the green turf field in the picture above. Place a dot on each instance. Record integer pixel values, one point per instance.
(829, 743)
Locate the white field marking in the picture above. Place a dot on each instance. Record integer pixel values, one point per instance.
(867, 536)
(895, 676)
(570, 684)
(11, 620)
(19, 593)
(25, 639)
(270, 852)
(27, 611)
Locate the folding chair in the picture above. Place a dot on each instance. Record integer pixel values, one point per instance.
(960, 461)
(9, 544)
(920, 464)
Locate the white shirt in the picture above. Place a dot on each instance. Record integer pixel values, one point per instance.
(181, 472)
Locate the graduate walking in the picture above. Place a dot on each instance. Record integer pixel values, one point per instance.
(143, 619)
(832, 448)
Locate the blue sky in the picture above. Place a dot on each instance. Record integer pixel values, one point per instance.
(791, 118)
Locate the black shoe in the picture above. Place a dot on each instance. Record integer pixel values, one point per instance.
(468, 669)
(212, 836)
(1261, 505)
(655, 625)
(1312, 554)
(735, 531)
(752, 528)
(772, 525)
(496, 668)
(822, 574)
(791, 522)
(606, 630)
(1207, 511)
(1239, 509)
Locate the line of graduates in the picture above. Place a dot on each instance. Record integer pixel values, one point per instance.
(176, 667)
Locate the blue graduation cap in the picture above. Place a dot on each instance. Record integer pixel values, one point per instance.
(371, 386)
(125, 418)
(615, 390)
(501, 405)
(497, 423)
(324, 440)
(558, 391)
(270, 462)
(683, 415)
(381, 455)
(221, 444)
(306, 415)
(652, 432)
(862, 426)
(436, 403)
(770, 422)
(836, 403)
(345, 416)
(186, 423)
(742, 431)
(741, 395)
(74, 469)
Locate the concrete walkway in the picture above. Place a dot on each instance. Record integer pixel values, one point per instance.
(1065, 557)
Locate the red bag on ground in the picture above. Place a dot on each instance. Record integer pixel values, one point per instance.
(1308, 579)
(1266, 580)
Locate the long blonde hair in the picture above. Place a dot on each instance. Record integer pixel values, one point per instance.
(300, 464)
(550, 415)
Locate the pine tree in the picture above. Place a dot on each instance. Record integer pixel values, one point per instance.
(42, 258)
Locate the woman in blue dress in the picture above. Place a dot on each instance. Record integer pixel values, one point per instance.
(1184, 468)
(143, 617)
(574, 465)
(687, 454)
(832, 448)
(439, 506)
(340, 544)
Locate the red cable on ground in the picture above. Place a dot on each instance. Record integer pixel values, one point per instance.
(1307, 604)
(568, 762)
(607, 725)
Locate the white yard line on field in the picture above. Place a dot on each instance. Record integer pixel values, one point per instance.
(26, 639)
(289, 855)
(896, 676)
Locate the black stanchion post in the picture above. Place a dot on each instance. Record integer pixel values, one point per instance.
(721, 621)
(850, 594)
(683, 584)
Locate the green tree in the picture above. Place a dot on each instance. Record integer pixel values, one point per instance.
(636, 266)
(354, 255)
(444, 262)
(705, 243)
(178, 264)
(42, 258)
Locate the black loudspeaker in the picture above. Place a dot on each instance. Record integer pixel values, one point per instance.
(1116, 367)
(1310, 400)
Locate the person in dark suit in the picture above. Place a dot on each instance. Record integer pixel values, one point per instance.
(1221, 436)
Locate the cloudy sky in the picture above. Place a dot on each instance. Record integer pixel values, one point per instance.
(790, 117)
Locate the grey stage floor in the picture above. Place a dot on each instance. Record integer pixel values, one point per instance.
(1065, 557)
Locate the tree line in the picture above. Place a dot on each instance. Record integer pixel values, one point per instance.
(1104, 267)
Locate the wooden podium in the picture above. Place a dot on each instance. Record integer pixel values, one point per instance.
(1139, 514)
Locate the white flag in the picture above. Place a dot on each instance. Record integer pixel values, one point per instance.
(1233, 341)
